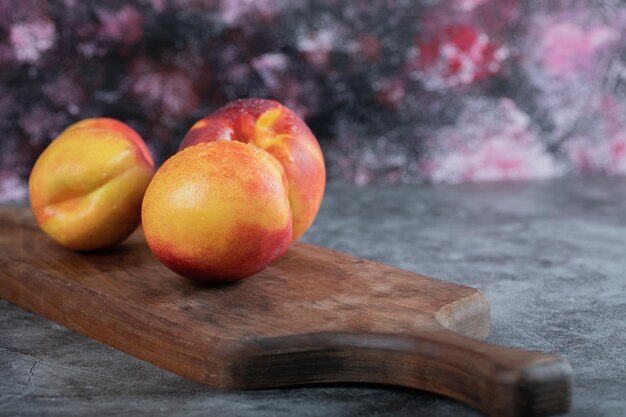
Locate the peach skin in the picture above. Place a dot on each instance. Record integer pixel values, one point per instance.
(279, 131)
(86, 188)
(218, 212)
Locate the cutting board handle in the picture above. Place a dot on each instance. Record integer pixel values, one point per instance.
(502, 382)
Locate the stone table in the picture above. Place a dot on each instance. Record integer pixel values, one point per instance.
(551, 257)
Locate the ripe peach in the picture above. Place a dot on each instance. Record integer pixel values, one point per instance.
(279, 131)
(87, 186)
(218, 211)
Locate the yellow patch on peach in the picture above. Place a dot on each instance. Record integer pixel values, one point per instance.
(199, 124)
(86, 188)
(266, 136)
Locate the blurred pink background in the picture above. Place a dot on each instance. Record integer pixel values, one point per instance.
(396, 91)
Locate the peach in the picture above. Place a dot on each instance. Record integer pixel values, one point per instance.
(279, 131)
(218, 211)
(86, 188)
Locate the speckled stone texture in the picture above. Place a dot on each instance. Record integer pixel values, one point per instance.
(549, 255)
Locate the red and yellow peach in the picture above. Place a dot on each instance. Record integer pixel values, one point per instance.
(218, 211)
(278, 130)
(87, 187)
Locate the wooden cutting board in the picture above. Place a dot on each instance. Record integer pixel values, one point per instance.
(314, 316)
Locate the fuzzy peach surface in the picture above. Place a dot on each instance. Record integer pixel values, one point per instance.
(86, 188)
(276, 129)
(218, 211)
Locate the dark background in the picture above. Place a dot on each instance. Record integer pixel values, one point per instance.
(395, 90)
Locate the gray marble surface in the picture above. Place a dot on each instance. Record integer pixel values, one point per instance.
(551, 257)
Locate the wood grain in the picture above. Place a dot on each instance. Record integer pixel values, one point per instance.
(314, 316)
